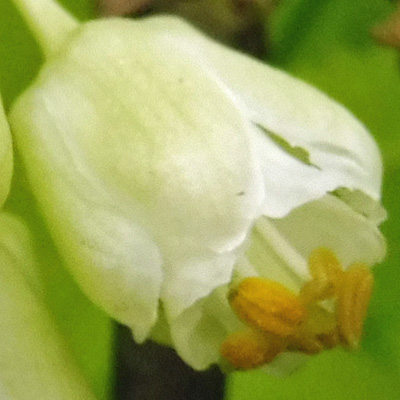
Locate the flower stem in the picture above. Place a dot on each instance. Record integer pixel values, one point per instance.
(49, 22)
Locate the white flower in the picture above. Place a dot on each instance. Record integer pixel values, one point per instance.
(170, 168)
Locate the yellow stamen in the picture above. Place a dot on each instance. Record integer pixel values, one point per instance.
(306, 344)
(269, 306)
(329, 311)
(251, 349)
(314, 291)
(326, 272)
(315, 333)
(352, 305)
(324, 266)
(319, 321)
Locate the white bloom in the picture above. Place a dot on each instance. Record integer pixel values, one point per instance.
(163, 162)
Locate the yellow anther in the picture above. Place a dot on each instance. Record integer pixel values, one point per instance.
(314, 291)
(269, 306)
(329, 311)
(314, 334)
(354, 294)
(319, 321)
(306, 344)
(324, 266)
(326, 272)
(251, 349)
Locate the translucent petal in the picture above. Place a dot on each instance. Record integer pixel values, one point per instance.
(331, 223)
(198, 333)
(363, 204)
(35, 363)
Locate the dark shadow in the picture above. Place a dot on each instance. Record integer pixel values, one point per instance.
(154, 372)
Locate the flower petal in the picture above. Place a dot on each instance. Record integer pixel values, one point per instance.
(133, 150)
(331, 223)
(363, 204)
(326, 147)
(34, 361)
(193, 278)
(6, 159)
(113, 258)
(197, 334)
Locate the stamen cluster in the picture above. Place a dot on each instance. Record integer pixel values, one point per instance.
(329, 311)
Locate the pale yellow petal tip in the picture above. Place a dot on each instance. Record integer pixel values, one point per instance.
(281, 321)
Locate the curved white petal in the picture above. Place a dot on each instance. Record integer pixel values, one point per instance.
(300, 118)
(272, 255)
(179, 141)
(6, 159)
(197, 334)
(134, 151)
(363, 204)
(331, 223)
(34, 361)
(113, 258)
(193, 278)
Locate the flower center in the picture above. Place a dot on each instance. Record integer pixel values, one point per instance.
(328, 312)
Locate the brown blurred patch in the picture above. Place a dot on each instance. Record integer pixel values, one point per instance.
(122, 7)
(388, 32)
(240, 23)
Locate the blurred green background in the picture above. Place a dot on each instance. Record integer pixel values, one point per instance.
(327, 43)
